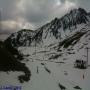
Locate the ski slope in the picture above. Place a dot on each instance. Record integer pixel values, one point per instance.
(65, 74)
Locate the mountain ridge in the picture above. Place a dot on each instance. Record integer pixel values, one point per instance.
(50, 32)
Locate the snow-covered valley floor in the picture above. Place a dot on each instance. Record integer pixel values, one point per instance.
(48, 75)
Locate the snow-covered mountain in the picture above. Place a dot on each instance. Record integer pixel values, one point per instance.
(50, 53)
(52, 32)
(72, 45)
(54, 64)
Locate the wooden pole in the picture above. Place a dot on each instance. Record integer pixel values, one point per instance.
(35, 47)
(87, 48)
(0, 19)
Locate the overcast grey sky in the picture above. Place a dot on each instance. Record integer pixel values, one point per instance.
(17, 14)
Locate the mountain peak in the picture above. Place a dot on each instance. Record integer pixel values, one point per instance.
(74, 18)
(79, 10)
(83, 11)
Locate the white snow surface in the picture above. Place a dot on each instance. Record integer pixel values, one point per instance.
(61, 70)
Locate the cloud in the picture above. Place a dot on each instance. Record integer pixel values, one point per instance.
(17, 14)
(39, 12)
(8, 8)
(8, 25)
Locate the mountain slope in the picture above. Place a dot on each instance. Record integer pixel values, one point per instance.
(21, 38)
(54, 64)
(52, 32)
(66, 48)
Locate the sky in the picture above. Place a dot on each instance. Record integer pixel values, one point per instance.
(32, 14)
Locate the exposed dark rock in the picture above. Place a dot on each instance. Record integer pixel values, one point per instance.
(77, 87)
(62, 87)
(69, 40)
(9, 63)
